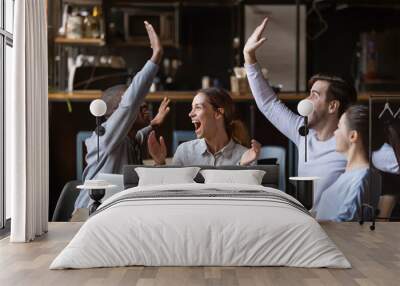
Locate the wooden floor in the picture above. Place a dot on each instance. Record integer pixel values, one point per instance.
(375, 257)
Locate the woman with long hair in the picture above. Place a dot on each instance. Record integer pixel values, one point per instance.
(342, 200)
(221, 139)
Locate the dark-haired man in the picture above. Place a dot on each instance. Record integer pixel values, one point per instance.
(126, 116)
(331, 96)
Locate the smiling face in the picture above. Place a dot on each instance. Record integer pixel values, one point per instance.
(144, 113)
(206, 119)
(143, 118)
(318, 96)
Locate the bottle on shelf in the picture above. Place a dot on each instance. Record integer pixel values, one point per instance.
(91, 26)
(97, 15)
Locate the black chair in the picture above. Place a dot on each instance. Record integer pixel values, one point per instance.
(66, 201)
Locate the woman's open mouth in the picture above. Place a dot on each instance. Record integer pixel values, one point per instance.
(197, 126)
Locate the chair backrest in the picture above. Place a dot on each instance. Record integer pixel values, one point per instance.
(66, 201)
(370, 198)
(180, 136)
(293, 159)
(80, 140)
(279, 153)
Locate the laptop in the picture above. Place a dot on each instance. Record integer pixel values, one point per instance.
(113, 179)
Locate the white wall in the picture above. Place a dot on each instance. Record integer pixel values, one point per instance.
(278, 54)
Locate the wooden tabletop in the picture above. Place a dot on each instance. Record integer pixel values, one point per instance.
(187, 96)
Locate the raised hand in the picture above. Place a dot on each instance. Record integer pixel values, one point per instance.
(157, 150)
(254, 42)
(155, 43)
(163, 111)
(252, 154)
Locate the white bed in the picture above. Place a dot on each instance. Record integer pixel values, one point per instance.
(264, 229)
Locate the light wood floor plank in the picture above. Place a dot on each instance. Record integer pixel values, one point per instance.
(374, 255)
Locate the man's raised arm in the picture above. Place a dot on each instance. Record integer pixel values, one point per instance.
(120, 122)
(267, 101)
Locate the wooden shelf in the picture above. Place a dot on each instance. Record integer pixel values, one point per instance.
(81, 42)
(78, 95)
(187, 96)
(83, 2)
(176, 96)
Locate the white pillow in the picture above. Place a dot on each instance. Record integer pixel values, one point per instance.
(166, 176)
(248, 177)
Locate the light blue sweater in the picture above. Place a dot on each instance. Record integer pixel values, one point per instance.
(342, 200)
(116, 148)
(322, 161)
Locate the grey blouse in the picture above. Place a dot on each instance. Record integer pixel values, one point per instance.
(195, 152)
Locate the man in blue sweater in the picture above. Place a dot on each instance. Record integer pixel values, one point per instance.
(331, 96)
(119, 144)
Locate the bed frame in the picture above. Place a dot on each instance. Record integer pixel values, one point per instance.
(270, 179)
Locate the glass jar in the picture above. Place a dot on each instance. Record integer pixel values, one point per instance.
(74, 27)
(91, 27)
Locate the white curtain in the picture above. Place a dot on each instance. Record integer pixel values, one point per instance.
(27, 124)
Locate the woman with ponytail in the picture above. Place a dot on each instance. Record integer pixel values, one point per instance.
(221, 138)
(342, 200)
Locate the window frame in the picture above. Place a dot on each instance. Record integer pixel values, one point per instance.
(6, 39)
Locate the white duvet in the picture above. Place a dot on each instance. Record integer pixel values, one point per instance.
(200, 231)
